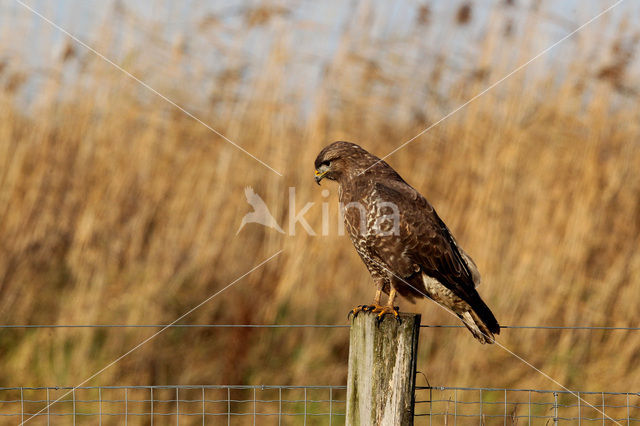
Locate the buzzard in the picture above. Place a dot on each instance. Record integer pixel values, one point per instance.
(404, 244)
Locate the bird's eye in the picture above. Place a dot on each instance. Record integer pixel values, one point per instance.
(326, 163)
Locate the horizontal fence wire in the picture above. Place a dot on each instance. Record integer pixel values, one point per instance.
(174, 405)
(176, 326)
(440, 405)
(506, 327)
(304, 405)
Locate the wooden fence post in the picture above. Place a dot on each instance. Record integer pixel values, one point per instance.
(382, 370)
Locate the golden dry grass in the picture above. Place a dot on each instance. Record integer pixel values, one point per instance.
(117, 208)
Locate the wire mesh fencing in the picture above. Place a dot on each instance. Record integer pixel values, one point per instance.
(303, 405)
(174, 405)
(490, 406)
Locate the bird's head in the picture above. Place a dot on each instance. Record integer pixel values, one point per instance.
(342, 160)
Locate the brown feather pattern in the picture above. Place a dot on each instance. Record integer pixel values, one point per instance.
(421, 259)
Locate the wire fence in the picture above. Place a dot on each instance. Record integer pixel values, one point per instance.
(491, 406)
(174, 405)
(303, 405)
(504, 327)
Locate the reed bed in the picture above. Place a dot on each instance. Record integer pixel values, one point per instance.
(117, 208)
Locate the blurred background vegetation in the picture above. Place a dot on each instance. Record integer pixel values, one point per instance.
(117, 208)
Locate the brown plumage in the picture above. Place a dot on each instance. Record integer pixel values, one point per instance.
(401, 239)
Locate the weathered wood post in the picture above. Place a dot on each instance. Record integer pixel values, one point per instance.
(382, 370)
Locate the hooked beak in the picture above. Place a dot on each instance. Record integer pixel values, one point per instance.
(320, 176)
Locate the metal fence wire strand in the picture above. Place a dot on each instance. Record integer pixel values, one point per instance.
(277, 326)
(151, 392)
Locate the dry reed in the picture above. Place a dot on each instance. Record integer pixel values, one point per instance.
(116, 208)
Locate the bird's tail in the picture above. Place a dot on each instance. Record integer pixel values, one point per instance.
(480, 321)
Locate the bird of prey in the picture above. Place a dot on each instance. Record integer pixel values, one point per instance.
(404, 244)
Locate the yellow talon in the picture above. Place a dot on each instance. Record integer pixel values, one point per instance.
(390, 310)
(355, 311)
(379, 310)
